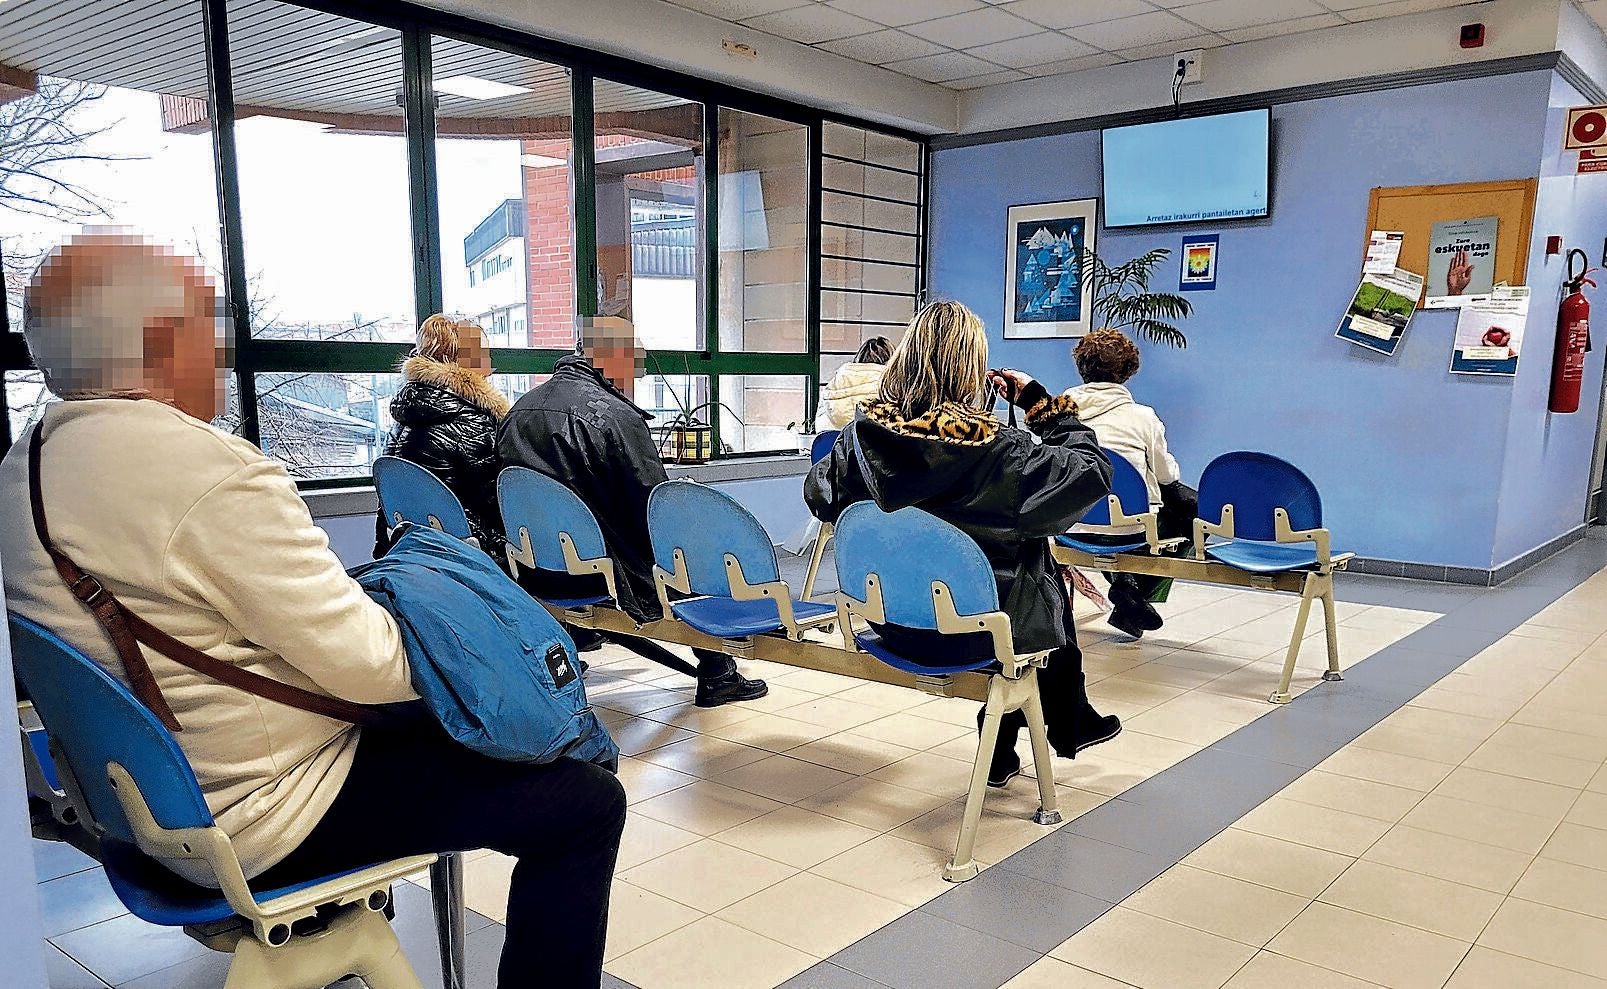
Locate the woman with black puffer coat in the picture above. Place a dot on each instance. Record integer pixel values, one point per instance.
(446, 422)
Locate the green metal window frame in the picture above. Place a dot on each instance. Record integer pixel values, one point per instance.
(418, 25)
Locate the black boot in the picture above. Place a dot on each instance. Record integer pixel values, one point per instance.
(1073, 723)
(733, 686)
(1130, 610)
(1006, 765)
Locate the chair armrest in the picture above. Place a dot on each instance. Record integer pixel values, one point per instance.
(1284, 534)
(1203, 529)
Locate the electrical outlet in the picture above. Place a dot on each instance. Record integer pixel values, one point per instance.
(1193, 64)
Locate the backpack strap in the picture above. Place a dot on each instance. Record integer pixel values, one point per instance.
(127, 630)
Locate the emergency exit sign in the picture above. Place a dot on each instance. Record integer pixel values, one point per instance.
(1587, 128)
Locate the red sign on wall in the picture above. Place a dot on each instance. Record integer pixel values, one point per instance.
(1592, 161)
(1587, 128)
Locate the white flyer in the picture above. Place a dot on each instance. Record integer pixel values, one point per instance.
(1383, 251)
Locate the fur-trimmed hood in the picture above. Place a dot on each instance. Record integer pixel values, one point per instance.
(460, 381)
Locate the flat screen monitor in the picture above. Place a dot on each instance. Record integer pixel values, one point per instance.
(1194, 170)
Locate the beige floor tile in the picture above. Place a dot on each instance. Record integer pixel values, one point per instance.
(1126, 690)
(818, 682)
(1270, 971)
(1369, 948)
(1094, 771)
(814, 915)
(485, 885)
(1564, 885)
(637, 917)
(1320, 827)
(706, 808)
(1181, 726)
(701, 719)
(639, 698)
(1424, 902)
(1164, 681)
(851, 753)
(1480, 822)
(1448, 857)
(1458, 702)
(1217, 904)
(1598, 784)
(1360, 796)
(1000, 833)
(1487, 969)
(833, 712)
(708, 875)
(772, 732)
(1547, 715)
(644, 734)
(1267, 861)
(710, 952)
(1147, 951)
(1408, 741)
(783, 778)
(704, 756)
(797, 837)
(643, 780)
(905, 871)
(1052, 973)
(1428, 721)
(911, 732)
(1150, 751)
(872, 803)
(949, 710)
(1422, 775)
(1578, 845)
(929, 773)
(1498, 790)
(1590, 810)
(1549, 935)
(885, 696)
(646, 839)
(780, 697)
(1527, 763)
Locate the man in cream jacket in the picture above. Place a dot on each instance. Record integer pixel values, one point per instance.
(195, 531)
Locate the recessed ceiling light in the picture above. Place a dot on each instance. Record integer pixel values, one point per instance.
(373, 33)
(475, 88)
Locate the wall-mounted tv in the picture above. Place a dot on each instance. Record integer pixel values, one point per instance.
(1193, 170)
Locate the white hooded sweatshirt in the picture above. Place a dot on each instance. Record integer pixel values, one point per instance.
(852, 385)
(1130, 429)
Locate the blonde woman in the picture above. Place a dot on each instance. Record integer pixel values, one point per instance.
(446, 421)
(929, 441)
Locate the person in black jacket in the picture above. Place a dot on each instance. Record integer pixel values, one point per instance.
(446, 421)
(579, 429)
(929, 441)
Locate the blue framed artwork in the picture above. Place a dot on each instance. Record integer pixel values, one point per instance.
(1046, 295)
(1198, 272)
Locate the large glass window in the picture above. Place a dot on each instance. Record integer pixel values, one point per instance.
(763, 197)
(503, 147)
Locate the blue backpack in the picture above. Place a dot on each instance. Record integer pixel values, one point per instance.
(493, 666)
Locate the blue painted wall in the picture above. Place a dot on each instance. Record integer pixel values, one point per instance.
(1410, 459)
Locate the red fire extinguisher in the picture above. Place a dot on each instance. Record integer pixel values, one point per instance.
(1573, 338)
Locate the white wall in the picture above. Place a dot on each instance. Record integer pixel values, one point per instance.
(676, 38)
(21, 937)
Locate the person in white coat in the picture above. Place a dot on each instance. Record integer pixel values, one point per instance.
(1106, 360)
(854, 384)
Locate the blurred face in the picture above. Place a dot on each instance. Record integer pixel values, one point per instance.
(614, 353)
(187, 354)
(472, 350)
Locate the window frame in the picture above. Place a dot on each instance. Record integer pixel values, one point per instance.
(417, 26)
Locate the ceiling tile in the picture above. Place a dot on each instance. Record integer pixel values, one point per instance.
(991, 79)
(1094, 61)
(1142, 52)
(812, 24)
(1070, 13)
(1223, 15)
(1598, 10)
(1130, 32)
(881, 47)
(943, 67)
(1283, 27)
(897, 13)
(736, 10)
(1034, 49)
(1179, 4)
(979, 27)
(1370, 9)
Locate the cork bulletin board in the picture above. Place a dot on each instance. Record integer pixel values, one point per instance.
(1415, 209)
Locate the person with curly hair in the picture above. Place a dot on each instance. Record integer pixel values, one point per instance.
(1107, 359)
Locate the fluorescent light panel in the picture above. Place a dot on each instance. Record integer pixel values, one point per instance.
(475, 88)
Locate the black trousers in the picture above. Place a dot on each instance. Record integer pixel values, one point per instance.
(413, 790)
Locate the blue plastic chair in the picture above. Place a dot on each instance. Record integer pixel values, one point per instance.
(550, 528)
(817, 452)
(410, 493)
(705, 544)
(1126, 505)
(134, 789)
(1267, 517)
(823, 444)
(910, 569)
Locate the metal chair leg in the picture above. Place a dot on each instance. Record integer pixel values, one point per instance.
(1042, 764)
(1332, 673)
(963, 866)
(815, 556)
(446, 892)
(1281, 695)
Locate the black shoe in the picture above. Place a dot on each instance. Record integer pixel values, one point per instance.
(1132, 610)
(1006, 766)
(1122, 622)
(731, 687)
(586, 639)
(1094, 731)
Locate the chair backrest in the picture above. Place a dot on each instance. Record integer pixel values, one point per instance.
(532, 501)
(705, 524)
(93, 720)
(408, 490)
(823, 444)
(1127, 484)
(1255, 484)
(907, 550)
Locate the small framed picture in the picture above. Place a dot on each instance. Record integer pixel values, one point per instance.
(1046, 295)
(1199, 263)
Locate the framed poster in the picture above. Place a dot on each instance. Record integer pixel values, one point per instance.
(1045, 294)
(1198, 273)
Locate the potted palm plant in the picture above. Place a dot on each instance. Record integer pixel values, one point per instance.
(1122, 299)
